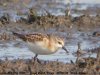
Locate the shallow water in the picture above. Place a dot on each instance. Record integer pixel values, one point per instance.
(18, 49)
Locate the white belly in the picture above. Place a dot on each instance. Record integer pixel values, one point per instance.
(37, 49)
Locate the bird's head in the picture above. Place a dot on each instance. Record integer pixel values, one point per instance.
(60, 43)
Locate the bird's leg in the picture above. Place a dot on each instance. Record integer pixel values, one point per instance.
(36, 59)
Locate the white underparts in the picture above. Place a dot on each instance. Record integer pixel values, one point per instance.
(37, 48)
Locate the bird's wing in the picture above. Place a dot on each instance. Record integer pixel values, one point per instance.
(35, 37)
(31, 37)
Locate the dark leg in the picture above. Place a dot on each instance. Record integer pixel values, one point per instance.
(36, 59)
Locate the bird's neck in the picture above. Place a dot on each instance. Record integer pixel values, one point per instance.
(51, 45)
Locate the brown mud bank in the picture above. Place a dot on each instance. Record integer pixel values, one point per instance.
(31, 67)
(33, 23)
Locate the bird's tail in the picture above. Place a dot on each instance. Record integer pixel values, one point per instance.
(21, 36)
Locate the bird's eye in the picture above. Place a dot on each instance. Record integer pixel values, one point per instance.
(59, 42)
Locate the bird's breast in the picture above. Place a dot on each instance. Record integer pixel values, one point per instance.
(39, 48)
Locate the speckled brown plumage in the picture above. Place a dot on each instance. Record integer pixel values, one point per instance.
(31, 37)
(35, 37)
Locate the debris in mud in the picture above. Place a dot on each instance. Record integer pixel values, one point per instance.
(96, 34)
(29, 66)
(5, 19)
(4, 36)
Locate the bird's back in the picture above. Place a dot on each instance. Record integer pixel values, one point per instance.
(31, 37)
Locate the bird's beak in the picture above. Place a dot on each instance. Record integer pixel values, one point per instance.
(65, 49)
